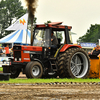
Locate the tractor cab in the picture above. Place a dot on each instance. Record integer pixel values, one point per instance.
(42, 35)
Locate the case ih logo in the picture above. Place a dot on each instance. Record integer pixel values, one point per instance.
(26, 59)
(22, 21)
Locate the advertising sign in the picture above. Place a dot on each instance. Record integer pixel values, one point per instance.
(88, 44)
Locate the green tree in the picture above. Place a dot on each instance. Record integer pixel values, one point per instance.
(92, 34)
(47, 22)
(9, 10)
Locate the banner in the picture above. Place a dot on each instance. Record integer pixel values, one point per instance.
(20, 24)
(88, 44)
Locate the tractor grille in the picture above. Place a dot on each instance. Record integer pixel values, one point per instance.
(16, 47)
(17, 55)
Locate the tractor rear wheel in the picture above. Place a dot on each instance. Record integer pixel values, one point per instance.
(61, 65)
(77, 63)
(34, 69)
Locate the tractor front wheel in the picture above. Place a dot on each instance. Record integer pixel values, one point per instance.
(34, 69)
(61, 65)
(15, 73)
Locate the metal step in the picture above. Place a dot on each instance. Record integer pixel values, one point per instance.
(52, 58)
(53, 64)
(54, 69)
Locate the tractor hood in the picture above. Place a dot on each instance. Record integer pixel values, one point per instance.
(27, 48)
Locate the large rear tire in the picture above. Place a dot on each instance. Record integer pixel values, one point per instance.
(34, 69)
(77, 63)
(61, 65)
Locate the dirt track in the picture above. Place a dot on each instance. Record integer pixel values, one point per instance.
(49, 92)
(52, 91)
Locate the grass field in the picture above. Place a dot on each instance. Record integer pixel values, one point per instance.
(48, 80)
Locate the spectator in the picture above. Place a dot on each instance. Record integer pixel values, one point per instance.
(7, 51)
(1, 52)
(11, 51)
(4, 52)
(96, 51)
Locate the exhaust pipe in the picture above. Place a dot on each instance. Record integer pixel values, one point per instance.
(32, 31)
(31, 5)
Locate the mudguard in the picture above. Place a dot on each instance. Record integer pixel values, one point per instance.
(65, 47)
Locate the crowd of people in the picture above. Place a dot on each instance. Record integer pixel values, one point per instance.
(5, 51)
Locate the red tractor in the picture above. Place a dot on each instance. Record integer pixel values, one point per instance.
(43, 61)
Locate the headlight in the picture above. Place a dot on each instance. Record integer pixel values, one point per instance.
(19, 59)
(45, 49)
(15, 59)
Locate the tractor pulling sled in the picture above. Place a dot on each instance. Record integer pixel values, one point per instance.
(42, 61)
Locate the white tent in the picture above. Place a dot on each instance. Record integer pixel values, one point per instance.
(19, 36)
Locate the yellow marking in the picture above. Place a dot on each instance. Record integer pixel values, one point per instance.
(57, 51)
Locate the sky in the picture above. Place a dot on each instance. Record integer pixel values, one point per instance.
(79, 14)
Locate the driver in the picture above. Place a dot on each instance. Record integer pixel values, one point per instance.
(54, 40)
(54, 43)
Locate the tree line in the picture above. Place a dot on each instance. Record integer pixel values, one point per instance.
(92, 34)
